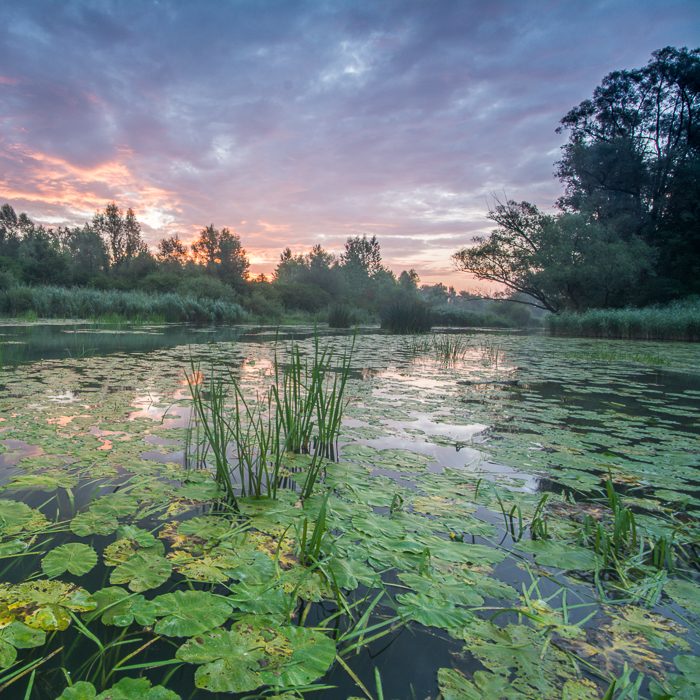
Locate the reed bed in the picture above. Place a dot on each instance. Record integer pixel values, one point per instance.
(249, 439)
(78, 302)
(678, 321)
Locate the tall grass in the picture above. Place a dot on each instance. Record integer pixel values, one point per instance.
(407, 316)
(78, 302)
(301, 412)
(678, 321)
(449, 348)
(340, 316)
(461, 318)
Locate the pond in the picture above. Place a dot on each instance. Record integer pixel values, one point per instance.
(499, 516)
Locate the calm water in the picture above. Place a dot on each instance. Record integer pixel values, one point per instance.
(466, 449)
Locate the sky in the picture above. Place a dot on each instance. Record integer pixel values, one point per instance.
(294, 122)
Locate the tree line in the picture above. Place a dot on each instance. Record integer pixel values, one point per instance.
(109, 253)
(627, 231)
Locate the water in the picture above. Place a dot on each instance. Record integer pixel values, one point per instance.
(459, 454)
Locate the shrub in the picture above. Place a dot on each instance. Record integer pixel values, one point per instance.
(340, 316)
(407, 316)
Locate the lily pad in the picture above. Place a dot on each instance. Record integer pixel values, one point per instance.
(142, 572)
(188, 613)
(253, 654)
(117, 607)
(45, 604)
(15, 636)
(75, 558)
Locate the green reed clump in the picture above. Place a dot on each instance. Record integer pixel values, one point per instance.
(407, 316)
(301, 412)
(677, 321)
(340, 316)
(444, 347)
(77, 302)
(309, 407)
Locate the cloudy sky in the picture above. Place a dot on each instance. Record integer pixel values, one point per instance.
(295, 123)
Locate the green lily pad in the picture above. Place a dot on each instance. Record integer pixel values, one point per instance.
(561, 555)
(143, 538)
(16, 516)
(125, 689)
(117, 607)
(15, 636)
(485, 686)
(685, 593)
(75, 558)
(142, 572)
(252, 654)
(45, 604)
(93, 523)
(188, 613)
(431, 612)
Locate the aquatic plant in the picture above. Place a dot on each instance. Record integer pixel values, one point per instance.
(340, 316)
(115, 306)
(407, 316)
(677, 321)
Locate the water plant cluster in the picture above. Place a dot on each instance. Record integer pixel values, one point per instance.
(500, 525)
(80, 302)
(677, 321)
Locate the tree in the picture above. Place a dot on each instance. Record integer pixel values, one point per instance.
(633, 162)
(121, 232)
(222, 254)
(567, 261)
(171, 251)
(362, 255)
(88, 253)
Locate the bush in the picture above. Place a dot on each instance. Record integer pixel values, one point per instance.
(300, 295)
(461, 318)
(407, 316)
(340, 316)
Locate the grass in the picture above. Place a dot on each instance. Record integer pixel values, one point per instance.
(677, 321)
(31, 303)
(301, 412)
(407, 317)
(448, 348)
(340, 316)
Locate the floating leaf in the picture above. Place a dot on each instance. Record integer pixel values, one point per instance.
(188, 613)
(143, 538)
(15, 636)
(115, 606)
(142, 572)
(93, 523)
(485, 686)
(125, 689)
(15, 517)
(75, 558)
(253, 654)
(685, 593)
(561, 555)
(431, 612)
(45, 604)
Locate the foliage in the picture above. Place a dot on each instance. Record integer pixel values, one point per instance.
(633, 160)
(677, 321)
(407, 316)
(567, 261)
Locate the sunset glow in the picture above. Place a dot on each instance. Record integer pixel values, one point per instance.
(308, 124)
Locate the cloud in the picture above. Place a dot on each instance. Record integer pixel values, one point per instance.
(310, 122)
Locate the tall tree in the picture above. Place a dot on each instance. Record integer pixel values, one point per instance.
(362, 255)
(567, 261)
(171, 251)
(121, 232)
(633, 161)
(222, 254)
